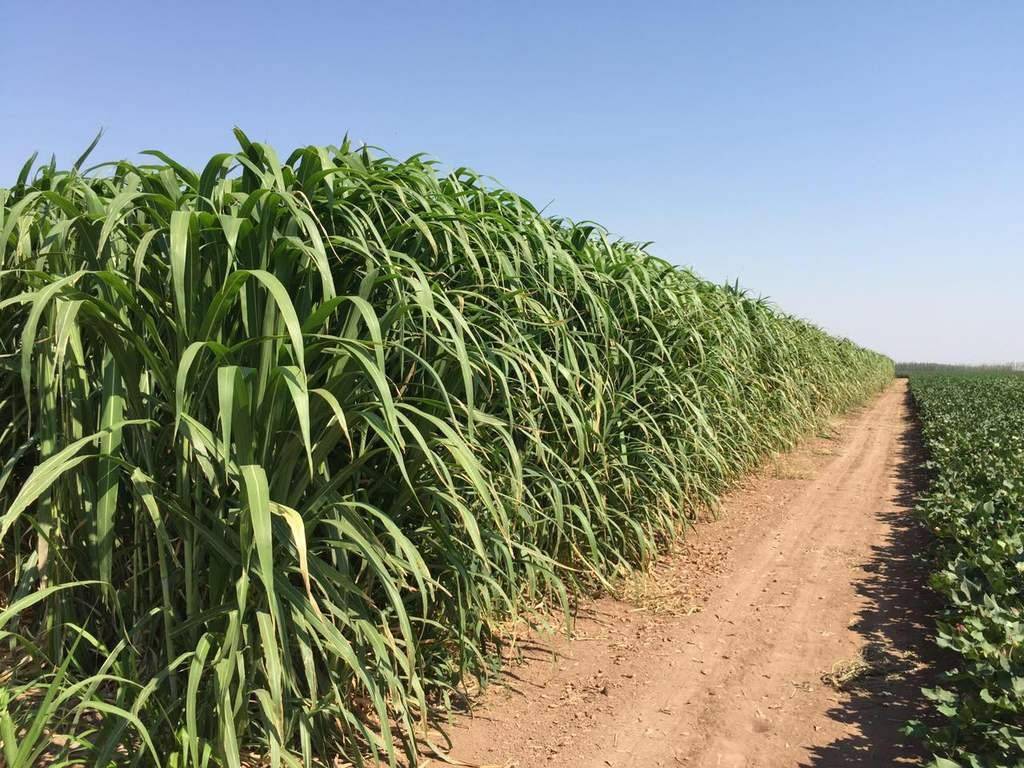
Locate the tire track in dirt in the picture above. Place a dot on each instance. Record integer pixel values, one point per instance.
(806, 573)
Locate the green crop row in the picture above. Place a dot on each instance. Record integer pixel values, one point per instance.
(282, 441)
(974, 434)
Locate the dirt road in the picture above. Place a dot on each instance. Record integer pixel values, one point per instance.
(810, 573)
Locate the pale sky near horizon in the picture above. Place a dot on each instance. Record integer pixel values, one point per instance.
(861, 164)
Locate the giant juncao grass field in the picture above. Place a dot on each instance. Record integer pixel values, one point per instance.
(282, 441)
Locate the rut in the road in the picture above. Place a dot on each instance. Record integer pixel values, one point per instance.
(808, 573)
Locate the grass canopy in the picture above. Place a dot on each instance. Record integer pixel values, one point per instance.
(282, 441)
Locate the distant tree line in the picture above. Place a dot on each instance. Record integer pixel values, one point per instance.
(905, 369)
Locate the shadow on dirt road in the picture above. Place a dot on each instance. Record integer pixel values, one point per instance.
(898, 627)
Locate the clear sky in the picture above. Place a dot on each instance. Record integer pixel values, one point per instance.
(862, 164)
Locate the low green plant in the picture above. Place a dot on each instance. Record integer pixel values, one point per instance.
(974, 432)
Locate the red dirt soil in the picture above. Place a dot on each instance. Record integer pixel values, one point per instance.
(797, 633)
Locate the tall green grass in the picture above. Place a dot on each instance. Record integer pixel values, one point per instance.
(282, 442)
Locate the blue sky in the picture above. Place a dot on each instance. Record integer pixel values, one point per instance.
(862, 164)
